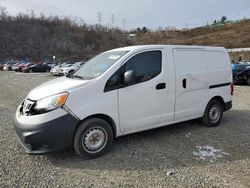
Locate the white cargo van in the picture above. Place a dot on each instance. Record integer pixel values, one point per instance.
(124, 91)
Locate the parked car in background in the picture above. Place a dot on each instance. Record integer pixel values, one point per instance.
(56, 69)
(13, 66)
(37, 68)
(51, 65)
(18, 66)
(1, 66)
(60, 71)
(21, 67)
(71, 69)
(242, 76)
(9, 64)
(236, 68)
(7, 67)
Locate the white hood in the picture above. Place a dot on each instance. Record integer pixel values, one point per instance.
(55, 86)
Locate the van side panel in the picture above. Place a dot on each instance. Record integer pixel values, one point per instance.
(191, 83)
(219, 74)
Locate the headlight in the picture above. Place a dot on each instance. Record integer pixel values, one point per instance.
(50, 103)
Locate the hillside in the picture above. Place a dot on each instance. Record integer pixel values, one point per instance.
(41, 37)
(231, 35)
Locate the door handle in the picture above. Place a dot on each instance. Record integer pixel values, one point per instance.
(160, 86)
(184, 83)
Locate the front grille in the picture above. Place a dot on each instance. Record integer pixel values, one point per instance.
(27, 105)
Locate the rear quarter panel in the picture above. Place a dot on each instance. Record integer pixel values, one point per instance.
(219, 72)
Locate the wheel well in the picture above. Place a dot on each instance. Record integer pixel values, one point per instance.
(104, 117)
(220, 99)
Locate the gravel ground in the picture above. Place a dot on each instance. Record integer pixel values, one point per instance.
(182, 155)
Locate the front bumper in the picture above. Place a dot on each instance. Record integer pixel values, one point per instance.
(54, 72)
(60, 73)
(42, 133)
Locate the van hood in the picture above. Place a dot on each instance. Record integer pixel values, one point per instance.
(55, 86)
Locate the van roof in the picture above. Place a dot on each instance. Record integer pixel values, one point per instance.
(144, 47)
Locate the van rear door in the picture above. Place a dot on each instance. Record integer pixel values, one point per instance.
(191, 83)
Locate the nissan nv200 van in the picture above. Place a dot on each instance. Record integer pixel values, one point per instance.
(123, 91)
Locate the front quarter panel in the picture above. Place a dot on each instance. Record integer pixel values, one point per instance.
(91, 100)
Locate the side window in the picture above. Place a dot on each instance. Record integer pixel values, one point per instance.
(114, 81)
(146, 65)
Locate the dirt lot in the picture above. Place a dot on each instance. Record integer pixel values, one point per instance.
(182, 155)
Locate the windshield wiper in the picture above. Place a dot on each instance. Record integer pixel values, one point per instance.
(81, 77)
(78, 76)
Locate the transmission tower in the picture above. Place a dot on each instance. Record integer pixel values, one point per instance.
(112, 20)
(99, 18)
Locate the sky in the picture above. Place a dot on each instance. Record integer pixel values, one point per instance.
(130, 14)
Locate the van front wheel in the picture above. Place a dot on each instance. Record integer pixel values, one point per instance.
(93, 138)
(213, 114)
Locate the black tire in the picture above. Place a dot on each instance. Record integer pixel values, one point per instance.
(94, 128)
(70, 73)
(248, 81)
(213, 113)
(30, 71)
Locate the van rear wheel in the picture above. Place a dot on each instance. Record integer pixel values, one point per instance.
(213, 113)
(93, 138)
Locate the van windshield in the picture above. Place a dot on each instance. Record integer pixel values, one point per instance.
(96, 66)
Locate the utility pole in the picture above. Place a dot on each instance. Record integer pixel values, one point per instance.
(99, 18)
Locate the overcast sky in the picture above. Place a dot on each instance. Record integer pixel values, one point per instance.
(149, 13)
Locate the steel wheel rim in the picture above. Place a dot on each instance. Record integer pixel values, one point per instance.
(214, 113)
(94, 140)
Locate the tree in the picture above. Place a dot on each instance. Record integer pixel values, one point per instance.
(223, 19)
(144, 30)
(3, 13)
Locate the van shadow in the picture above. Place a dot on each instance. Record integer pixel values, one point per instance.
(169, 147)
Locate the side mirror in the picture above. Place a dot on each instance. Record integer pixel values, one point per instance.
(129, 77)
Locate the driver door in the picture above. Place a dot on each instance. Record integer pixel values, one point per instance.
(141, 103)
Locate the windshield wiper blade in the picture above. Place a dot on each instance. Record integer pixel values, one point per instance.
(77, 76)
